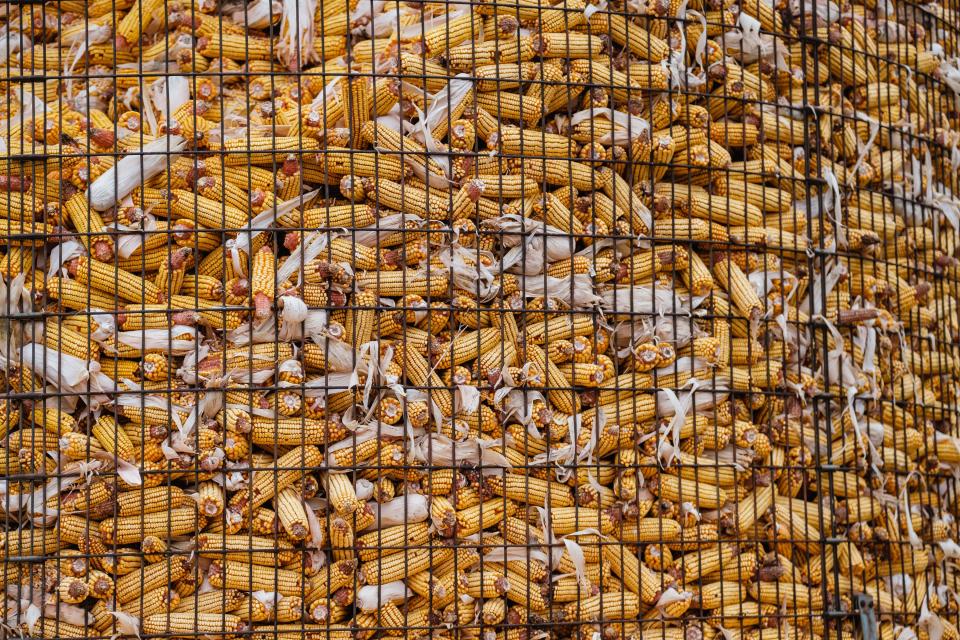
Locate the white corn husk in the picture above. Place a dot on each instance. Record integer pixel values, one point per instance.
(532, 244)
(385, 227)
(574, 290)
(169, 94)
(467, 272)
(133, 170)
(627, 127)
(63, 253)
(373, 596)
(258, 13)
(655, 312)
(295, 49)
(751, 45)
(409, 509)
(160, 340)
(15, 301)
(12, 42)
(31, 108)
(71, 374)
(438, 449)
(440, 104)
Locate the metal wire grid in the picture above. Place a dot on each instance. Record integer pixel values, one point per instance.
(814, 464)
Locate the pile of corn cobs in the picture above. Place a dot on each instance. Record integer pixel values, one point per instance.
(502, 320)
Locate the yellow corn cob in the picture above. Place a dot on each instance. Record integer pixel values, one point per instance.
(78, 297)
(106, 278)
(245, 548)
(133, 23)
(342, 536)
(231, 574)
(419, 372)
(684, 490)
(127, 529)
(292, 513)
(564, 399)
(530, 490)
(206, 212)
(341, 494)
(188, 623)
(112, 438)
(211, 500)
(732, 278)
(291, 467)
(360, 318)
(640, 42)
(70, 342)
(90, 226)
(265, 150)
(295, 431)
(430, 203)
(607, 606)
(391, 540)
(636, 576)
(397, 566)
(236, 47)
(133, 585)
(514, 140)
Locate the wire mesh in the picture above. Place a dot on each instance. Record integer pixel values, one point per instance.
(499, 320)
